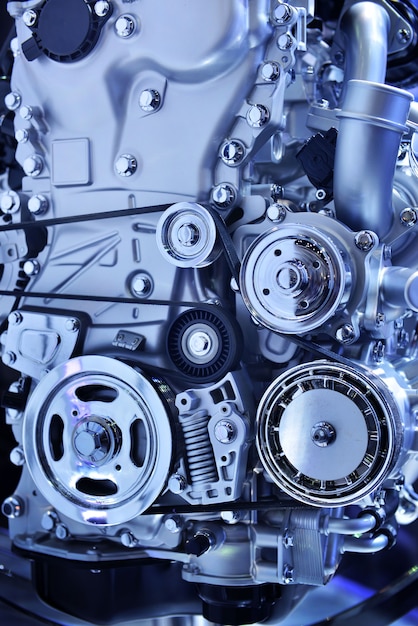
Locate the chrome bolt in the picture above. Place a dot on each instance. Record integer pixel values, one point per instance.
(288, 574)
(408, 217)
(364, 240)
(72, 325)
(9, 358)
(173, 524)
(33, 165)
(61, 531)
(30, 17)
(188, 235)
(225, 431)
(177, 483)
(257, 115)
(320, 194)
(149, 100)
(125, 26)
(101, 8)
(26, 112)
(21, 135)
(285, 41)
(270, 71)
(141, 285)
(404, 35)
(323, 434)
(276, 212)
(9, 202)
(38, 204)
(345, 334)
(232, 152)
(380, 319)
(49, 520)
(17, 456)
(12, 101)
(223, 195)
(31, 267)
(127, 539)
(288, 540)
(126, 165)
(322, 104)
(282, 13)
(12, 507)
(231, 517)
(15, 318)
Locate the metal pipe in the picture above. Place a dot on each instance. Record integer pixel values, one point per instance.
(372, 121)
(365, 28)
(346, 526)
(366, 545)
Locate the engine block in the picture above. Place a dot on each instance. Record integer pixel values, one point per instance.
(209, 290)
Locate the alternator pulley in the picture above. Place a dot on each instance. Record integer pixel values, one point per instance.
(328, 434)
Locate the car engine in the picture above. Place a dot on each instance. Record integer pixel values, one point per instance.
(209, 295)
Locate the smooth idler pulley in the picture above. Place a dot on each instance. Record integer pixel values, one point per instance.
(328, 434)
(187, 235)
(293, 278)
(97, 439)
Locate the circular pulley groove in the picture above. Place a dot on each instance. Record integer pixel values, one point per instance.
(293, 278)
(204, 345)
(328, 434)
(97, 438)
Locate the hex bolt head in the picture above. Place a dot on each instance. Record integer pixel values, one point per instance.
(257, 115)
(285, 41)
(345, 334)
(231, 517)
(149, 100)
(26, 112)
(33, 165)
(177, 483)
(141, 285)
(38, 204)
(223, 195)
(9, 358)
(17, 456)
(225, 431)
(31, 267)
(127, 539)
(101, 8)
(125, 26)
(364, 240)
(288, 574)
(10, 202)
(276, 212)
(49, 520)
(21, 135)
(12, 100)
(72, 325)
(232, 152)
(408, 217)
(126, 165)
(270, 71)
(282, 13)
(30, 17)
(173, 524)
(12, 507)
(61, 532)
(15, 318)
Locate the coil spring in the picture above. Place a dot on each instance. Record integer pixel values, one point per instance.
(200, 457)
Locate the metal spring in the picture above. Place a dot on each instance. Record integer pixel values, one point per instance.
(200, 457)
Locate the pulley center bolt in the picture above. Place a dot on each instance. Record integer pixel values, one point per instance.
(288, 278)
(323, 434)
(92, 441)
(188, 235)
(200, 343)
